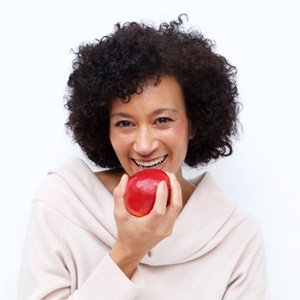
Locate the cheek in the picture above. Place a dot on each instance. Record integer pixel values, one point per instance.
(115, 141)
(120, 143)
(112, 137)
(180, 131)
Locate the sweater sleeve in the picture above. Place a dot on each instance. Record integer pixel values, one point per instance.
(44, 271)
(248, 280)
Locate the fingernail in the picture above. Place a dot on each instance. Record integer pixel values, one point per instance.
(163, 184)
(123, 178)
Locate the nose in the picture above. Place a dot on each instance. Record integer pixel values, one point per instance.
(145, 142)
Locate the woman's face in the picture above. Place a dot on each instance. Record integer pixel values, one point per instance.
(151, 130)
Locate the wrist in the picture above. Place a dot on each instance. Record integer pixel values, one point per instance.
(125, 259)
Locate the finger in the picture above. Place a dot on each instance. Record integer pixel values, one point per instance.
(119, 194)
(175, 205)
(160, 203)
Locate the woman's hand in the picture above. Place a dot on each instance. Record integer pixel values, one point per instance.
(137, 235)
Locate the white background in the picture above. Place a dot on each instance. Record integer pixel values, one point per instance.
(262, 38)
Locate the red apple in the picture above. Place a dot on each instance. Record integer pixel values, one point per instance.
(141, 191)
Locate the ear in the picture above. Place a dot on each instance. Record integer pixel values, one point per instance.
(191, 136)
(192, 131)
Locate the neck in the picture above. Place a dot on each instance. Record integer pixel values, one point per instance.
(186, 187)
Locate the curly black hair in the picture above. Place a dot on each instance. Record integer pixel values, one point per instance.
(119, 65)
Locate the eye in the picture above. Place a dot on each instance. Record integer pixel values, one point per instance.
(163, 120)
(123, 124)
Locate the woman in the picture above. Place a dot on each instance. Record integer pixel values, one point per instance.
(144, 98)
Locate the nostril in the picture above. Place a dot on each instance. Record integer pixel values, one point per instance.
(144, 146)
(143, 149)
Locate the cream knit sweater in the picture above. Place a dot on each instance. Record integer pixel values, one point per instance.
(215, 252)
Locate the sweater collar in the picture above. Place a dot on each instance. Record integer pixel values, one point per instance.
(197, 229)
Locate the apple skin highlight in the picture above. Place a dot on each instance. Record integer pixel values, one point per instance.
(141, 191)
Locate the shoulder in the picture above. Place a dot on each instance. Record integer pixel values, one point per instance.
(73, 190)
(64, 183)
(64, 176)
(247, 227)
(223, 216)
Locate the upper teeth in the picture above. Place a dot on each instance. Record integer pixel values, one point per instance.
(151, 163)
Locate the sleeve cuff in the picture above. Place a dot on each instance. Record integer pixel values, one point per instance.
(108, 281)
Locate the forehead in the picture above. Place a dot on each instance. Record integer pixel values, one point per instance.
(167, 93)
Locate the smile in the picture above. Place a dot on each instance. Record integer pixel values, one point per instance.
(151, 163)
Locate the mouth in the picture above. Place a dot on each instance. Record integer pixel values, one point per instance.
(151, 163)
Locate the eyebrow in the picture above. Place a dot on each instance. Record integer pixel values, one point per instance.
(154, 113)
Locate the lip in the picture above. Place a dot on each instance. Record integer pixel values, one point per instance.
(136, 168)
